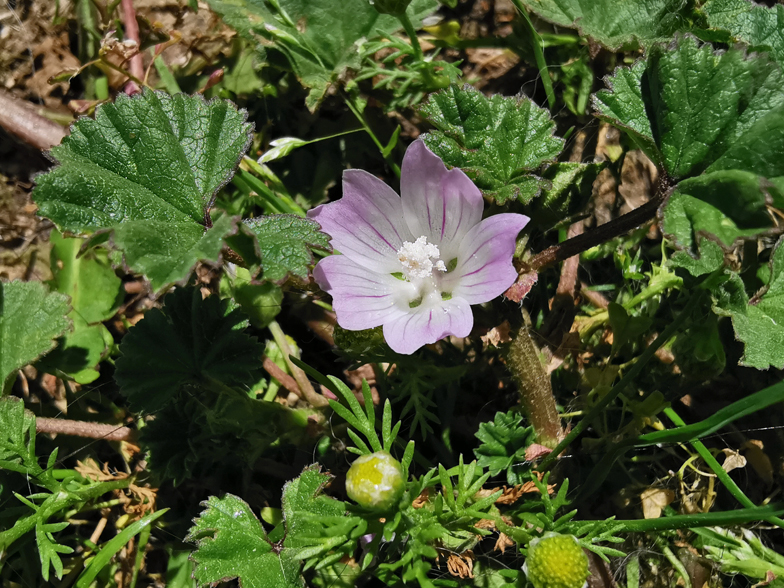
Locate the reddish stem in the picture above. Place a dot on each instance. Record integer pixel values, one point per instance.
(85, 429)
(135, 64)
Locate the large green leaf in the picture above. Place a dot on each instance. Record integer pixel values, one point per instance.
(148, 167)
(30, 319)
(320, 38)
(499, 142)
(190, 341)
(716, 126)
(760, 27)
(758, 322)
(231, 543)
(614, 23)
(286, 242)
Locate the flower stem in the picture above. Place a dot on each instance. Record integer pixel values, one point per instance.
(536, 393)
(412, 35)
(361, 118)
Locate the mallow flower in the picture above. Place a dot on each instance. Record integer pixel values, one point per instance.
(414, 263)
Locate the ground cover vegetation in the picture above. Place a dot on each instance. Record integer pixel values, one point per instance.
(391, 293)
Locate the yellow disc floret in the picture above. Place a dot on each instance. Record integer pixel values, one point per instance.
(375, 480)
(556, 561)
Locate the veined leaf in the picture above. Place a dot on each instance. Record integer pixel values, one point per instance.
(188, 340)
(148, 168)
(30, 319)
(614, 23)
(286, 242)
(760, 27)
(499, 142)
(716, 126)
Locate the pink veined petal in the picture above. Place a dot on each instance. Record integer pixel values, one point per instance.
(439, 204)
(484, 269)
(361, 298)
(366, 225)
(421, 326)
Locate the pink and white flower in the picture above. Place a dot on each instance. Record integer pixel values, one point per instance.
(414, 263)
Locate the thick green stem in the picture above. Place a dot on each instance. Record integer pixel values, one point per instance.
(533, 382)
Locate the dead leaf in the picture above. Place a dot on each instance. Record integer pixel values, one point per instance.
(503, 542)
(521, 287)
(461, 565)
(422, 499)
(753, 449)
(654, 500)
(497, 335)
(733, 460)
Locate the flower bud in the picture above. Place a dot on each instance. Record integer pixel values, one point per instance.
(393, 7)
(556, 561)
(375, 481)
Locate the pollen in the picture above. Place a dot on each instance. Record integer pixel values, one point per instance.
(420, 258)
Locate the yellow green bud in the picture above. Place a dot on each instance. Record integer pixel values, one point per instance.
(556, 561)
(375, 481)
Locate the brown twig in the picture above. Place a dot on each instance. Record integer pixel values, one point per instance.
(135, 65)
(21, 120)
(85, 429)
(602, 233)
(285, 380)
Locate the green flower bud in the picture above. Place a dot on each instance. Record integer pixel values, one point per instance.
(556, 561)
(393, 7)
(375, 481)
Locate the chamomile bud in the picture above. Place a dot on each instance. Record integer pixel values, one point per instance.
(375, 480)
(556, 561)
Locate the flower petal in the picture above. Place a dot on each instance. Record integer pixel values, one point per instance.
(361, 298)
(366, 225)
(484, 268)
(424, 325)
(439, 204)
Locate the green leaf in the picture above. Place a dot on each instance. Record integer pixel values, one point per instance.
(711, 259)
(571, 185)
(48, 549)
(304, 506)
(760, 27)
(30, 319)
(188, 341)
(88, 278)
(286, 242)
(96, 293)
(759, 322)
(320, 38)
(231, 543)
(504, 442)
(149, 168)
(614, 23)
(623, 106)
(166, 253)
(716, 125)
(498, 142)
(17, 431)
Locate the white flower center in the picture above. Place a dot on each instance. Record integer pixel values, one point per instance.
(420, 258)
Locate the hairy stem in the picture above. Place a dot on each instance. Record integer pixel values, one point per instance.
(536, 393)
(85, 429)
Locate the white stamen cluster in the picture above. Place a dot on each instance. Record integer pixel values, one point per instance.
(420, 258)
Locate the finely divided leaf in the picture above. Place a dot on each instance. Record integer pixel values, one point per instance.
(286, 243)
(614, 23)
(190, 339)
(149, 167)
(231, 543)
(499, 142)
(320, 38)
(760, 27)
(30, 320)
